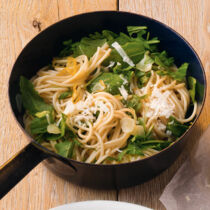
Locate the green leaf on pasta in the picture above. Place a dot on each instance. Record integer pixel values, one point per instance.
(180, 74)
(162, 59)
(32, 101)
(192, 86)
(65, 148)
(133, 102)
(135, 29)
(176, 128)
(65, 94)
(39, 125)
(111, 81)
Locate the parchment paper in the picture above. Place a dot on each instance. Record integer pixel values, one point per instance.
(189, 189)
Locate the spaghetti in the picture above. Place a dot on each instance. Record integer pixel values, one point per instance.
(105, 124)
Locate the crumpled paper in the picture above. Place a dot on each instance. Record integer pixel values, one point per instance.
(189, 189)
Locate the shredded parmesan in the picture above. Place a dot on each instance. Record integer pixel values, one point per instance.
(125, 81)
(159, 105)
(84, 112)
(122, 54)
(123, 92)
(111, 64)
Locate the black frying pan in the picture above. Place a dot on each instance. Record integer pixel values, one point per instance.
(40, 51)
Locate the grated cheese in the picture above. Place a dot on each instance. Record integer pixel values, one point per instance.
(160, 126)
(83, 112)
(159, 105)
(122, 53)
(123, 92)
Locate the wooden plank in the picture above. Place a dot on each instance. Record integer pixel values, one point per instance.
(20, 21)
(68, 8)
(190, 19)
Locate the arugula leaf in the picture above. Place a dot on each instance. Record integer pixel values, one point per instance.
(87, 46)
(127, 72)
(122, 39)
(109, 35)
(142, 77)
(162, 59)
(131, 149)
(67, 48)
(65, 148)
(180, 74)
(134, 47)
(192, 86)
(176, 128)
(39, 125)
(70, 135)
(65, 94)
(133, 102)
(112, 82)
(31, 99)
(138, 147)
(135, 29)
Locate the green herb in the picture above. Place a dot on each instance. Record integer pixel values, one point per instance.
(65, 148)
(86, 46)
(192, 86)
(126, 72)
(112, 82)
(135, 29)
(176, 128)
(32, 102)
(131, 149)
(39, 125)
(65, 94)
(142, 77)
(138, 147)
(133, 102)
(196, 89)
(135, 47)
(180, 74)
(162, 59)
(67, 48)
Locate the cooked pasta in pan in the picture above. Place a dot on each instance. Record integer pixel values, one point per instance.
(109, 98)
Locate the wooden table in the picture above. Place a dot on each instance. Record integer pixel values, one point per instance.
(20, 21)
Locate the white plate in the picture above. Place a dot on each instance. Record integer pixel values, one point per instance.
(100, 205)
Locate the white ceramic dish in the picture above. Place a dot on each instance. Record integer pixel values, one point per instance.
(100, 205)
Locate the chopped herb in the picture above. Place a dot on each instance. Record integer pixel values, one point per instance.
(180, 74)
(176, 128)
(65, 148)
(111, 81)
(135, 29)
(32, 102)
(133, 102)
(192, 86)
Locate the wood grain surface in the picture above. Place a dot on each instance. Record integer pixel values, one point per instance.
(20, 21)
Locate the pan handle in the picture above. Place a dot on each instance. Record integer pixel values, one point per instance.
(18, 166)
